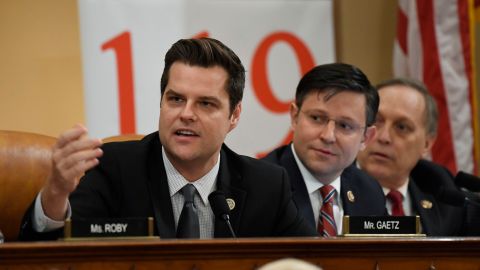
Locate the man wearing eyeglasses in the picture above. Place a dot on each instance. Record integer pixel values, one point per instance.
(331, 118)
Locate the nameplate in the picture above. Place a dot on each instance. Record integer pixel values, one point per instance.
(108, 228)
(381, 226)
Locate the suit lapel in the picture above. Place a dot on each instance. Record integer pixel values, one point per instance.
(429, 217)
(159, 192)
(299, 189)
(347, 185)
(227, 179)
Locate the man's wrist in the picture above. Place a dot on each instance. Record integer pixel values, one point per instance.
(54, 204)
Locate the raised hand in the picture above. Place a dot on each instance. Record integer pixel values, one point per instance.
(72, 155)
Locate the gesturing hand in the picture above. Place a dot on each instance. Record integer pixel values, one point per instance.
(72, 155)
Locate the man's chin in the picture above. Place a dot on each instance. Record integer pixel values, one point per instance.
(378, 172)
(323, 171)
(185, 156)
(181, 153)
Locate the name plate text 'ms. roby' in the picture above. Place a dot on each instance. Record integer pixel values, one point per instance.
(108, 227)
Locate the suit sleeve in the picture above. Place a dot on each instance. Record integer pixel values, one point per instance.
(28, 233)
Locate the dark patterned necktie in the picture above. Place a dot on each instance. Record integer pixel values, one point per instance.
(396, 198)
(326, 224)
(188, 225)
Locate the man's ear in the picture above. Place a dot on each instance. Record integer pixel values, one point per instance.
(429, 141)
(368, 136)
(294, 111)
(235, 117)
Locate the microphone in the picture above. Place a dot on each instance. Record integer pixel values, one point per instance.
(455, 197)
(452, 197)
(471, 223)
(468, 181)
(220, 208)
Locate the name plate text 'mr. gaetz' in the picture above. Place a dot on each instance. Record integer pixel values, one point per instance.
(108, 227)
(381, 226)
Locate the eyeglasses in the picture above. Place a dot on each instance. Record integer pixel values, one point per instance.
(343, 126)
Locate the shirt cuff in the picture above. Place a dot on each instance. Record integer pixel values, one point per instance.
(42, 223)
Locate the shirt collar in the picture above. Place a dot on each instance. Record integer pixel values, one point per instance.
(403, 189)
(204, 185)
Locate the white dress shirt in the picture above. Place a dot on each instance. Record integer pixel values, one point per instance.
(204, 185)
(313, 188)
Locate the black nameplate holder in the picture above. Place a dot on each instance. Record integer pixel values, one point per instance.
(109, 228)
(380, 226)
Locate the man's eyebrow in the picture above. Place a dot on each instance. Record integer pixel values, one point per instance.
(209, 98)
(174, 94)
(315, 111)
(170, 91)
(324, 112)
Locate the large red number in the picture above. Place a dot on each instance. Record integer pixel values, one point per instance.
(121, 45)
(261, 86)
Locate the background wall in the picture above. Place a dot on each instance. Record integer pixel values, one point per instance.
(40, 66)
(365, 31)
(40, 59)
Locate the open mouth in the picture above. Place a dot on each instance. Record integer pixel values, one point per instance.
(186, 133)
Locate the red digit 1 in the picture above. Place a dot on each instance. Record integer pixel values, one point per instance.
(121, 45)
(261, 86)
(203, 34)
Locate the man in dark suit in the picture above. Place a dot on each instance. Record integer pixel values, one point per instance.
(331, 119)
(170, 173)
(438, 217)
(406, 130)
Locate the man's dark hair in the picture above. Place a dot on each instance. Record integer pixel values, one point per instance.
(336, 78)
(431, 110)
(208, 52)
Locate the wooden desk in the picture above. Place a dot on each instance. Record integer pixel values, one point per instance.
(342, 253)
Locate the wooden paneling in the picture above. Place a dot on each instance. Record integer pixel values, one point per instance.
(330, 254)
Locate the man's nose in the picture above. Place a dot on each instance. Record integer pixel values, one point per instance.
(383, 134)
(328, 132)
(188, 112)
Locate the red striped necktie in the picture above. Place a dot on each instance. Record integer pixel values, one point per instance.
(326, 224)
(396, 198)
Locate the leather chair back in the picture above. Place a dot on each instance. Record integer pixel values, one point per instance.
(25, 162)
(122, 138)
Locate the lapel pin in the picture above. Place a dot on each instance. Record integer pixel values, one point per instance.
(231, 203)
(426, 204)
(350, 196)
